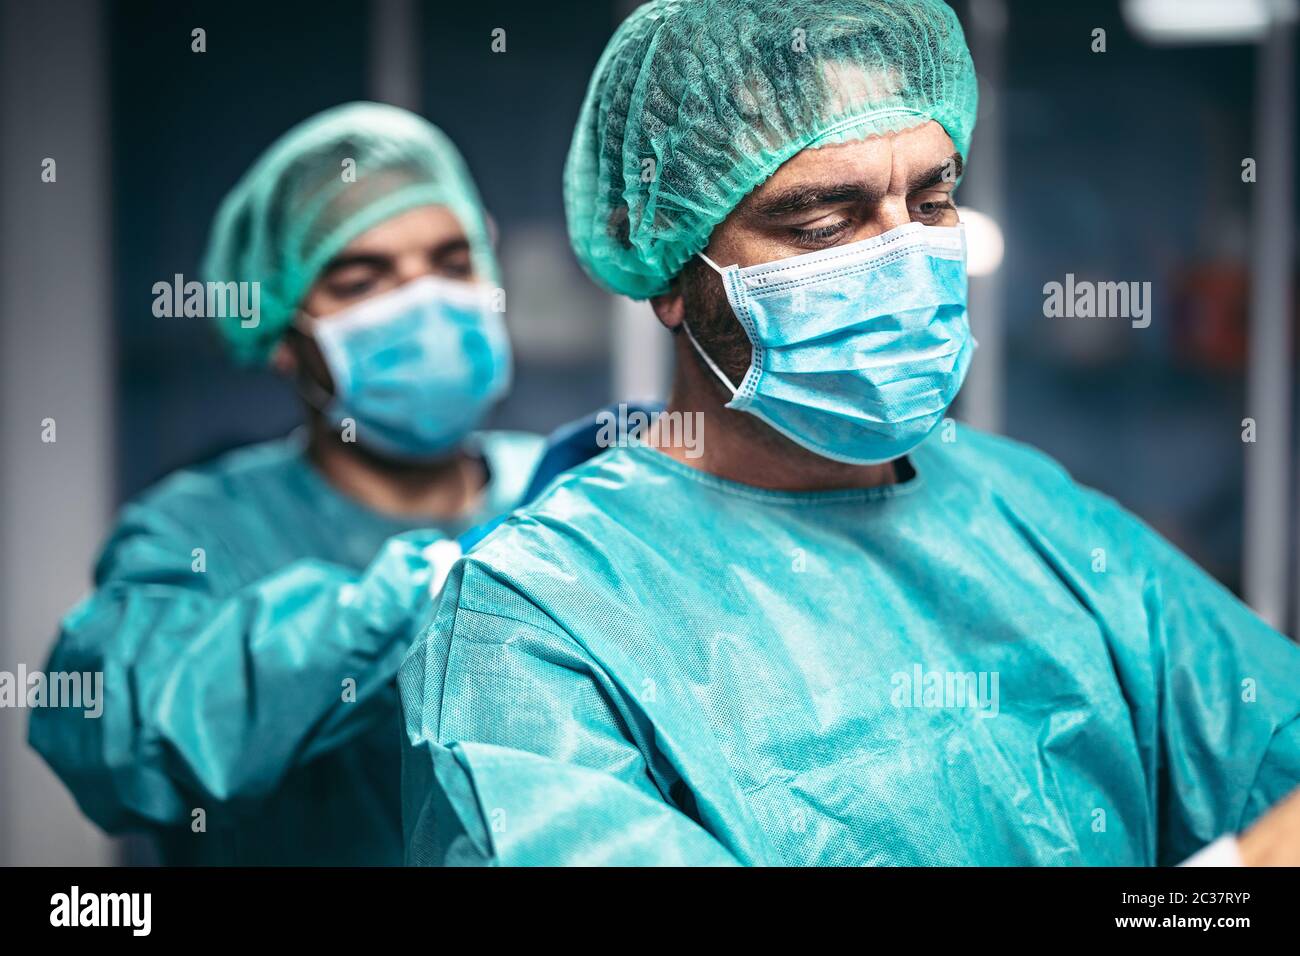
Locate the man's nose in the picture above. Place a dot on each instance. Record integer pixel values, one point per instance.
(410, 268)
(889, 214)
(892, 213)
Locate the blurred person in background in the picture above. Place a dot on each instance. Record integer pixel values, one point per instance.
(848, 632)
(250, 614)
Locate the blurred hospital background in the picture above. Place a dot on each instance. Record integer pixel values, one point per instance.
(1119, 163)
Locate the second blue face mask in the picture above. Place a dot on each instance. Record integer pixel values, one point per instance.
(857, 350)
(416, 368)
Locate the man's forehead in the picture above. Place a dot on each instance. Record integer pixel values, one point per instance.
(431, 224)
(874, 161)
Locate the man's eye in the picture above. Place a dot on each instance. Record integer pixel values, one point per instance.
(351, 288)
(819, 236)
(462, 269)
(347, 284)
(933, 209)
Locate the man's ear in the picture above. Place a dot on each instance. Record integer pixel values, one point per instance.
(670, 308)
(283, 359)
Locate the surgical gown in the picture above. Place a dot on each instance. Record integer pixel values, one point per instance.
(249, 620)
(984, 663)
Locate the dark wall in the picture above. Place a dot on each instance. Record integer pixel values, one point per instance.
(1126, 165)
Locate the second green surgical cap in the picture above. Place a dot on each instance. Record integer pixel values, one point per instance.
(318, 187)
(696, 102)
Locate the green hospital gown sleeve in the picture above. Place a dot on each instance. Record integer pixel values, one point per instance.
(213, 692)
(518, 751)
(1227, 699)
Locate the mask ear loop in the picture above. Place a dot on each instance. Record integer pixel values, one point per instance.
(716, 268)
(713, 366)
(709, 362)
(310, 390)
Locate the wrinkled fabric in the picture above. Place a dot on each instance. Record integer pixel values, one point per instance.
(417, 368)
(232, 603)
(653, 665)
(858, 350)
(694, 103)
(569, 445)
(322, 184)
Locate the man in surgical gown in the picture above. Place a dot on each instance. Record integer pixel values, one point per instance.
(850, 631)
(249, 614)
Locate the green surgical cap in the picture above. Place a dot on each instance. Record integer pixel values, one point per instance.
(318, 187)
(694, 103)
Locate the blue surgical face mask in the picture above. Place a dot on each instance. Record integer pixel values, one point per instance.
(857, 350)
(417, 368)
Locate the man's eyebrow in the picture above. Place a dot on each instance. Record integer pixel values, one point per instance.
(379, 260)
(937, 175)
(450, 245)
(802, 198)
(346, 260)
(796, 199)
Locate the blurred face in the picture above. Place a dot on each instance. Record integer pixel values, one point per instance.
(819, 199)
(428, 241)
